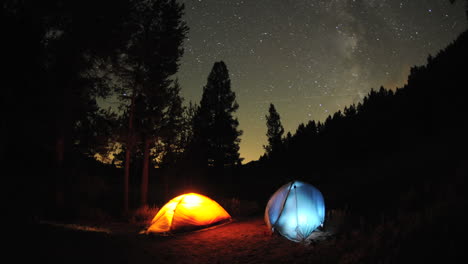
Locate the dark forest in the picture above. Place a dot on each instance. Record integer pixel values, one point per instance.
(392, 168)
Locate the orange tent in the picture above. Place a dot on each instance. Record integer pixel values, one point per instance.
(186, 212)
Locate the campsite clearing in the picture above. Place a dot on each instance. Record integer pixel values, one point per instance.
(241, 241)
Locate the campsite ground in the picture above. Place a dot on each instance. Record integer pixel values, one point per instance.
(426, 225)
(411, 235)
(241, 241)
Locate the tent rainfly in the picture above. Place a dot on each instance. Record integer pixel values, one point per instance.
(295, 210)
(188, 212)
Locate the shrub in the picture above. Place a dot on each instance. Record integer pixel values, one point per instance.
(144, 215)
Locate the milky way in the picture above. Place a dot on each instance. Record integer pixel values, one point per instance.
(309, 58)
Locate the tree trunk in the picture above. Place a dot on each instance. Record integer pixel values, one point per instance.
(166, 186)
(59, 181)
(145, 173)
(128, 153)
(64, 127)
(126, 177)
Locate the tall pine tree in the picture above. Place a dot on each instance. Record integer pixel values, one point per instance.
(151, 57)
(216, 136)
(274, 131)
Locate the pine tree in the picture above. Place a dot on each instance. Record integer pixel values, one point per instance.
(171, 138)
(59, 46)
(151, 56)
(274, 131)
(216, 137)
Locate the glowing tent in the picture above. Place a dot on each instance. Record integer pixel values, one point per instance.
(186, 212)
(295, 210)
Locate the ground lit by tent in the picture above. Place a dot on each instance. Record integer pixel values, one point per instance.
(241, 241)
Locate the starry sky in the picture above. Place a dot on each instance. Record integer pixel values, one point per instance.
(309, 58)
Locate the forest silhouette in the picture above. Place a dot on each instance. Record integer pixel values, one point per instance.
(396, 152)
(392, 139)
(62, 57)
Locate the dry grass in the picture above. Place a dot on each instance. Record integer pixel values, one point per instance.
(143, 215)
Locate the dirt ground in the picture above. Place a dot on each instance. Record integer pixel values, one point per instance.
(240, 241)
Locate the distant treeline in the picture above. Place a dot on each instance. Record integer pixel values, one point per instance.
(430, 109)
(390, 140)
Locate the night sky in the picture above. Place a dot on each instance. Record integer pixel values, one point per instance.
(310, 58)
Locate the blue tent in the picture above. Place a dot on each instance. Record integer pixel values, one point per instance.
(295, 210)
